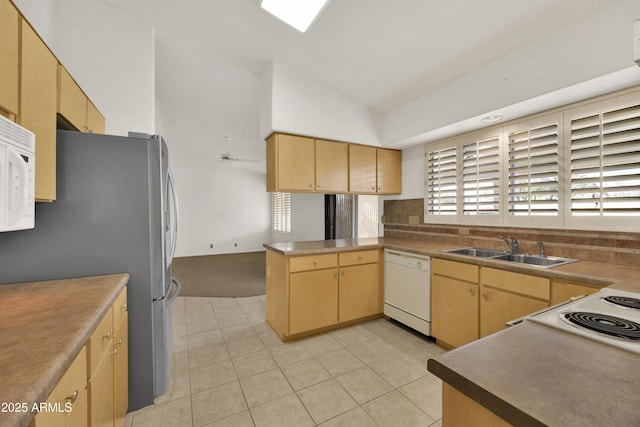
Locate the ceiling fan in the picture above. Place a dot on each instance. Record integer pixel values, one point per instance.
(228, 157)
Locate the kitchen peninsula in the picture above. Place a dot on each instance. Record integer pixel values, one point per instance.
(529, 374)
(319, 285)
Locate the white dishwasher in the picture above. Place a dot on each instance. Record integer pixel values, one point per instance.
(407, 289)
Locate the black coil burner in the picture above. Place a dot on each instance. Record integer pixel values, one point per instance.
(627, 302)
(604, 324)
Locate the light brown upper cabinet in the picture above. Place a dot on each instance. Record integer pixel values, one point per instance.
(374, 170)
(290, 163)
(332, 163)
(74, 107)
(304, 164)
(362, 169)
(389, 171)
(9, 57)
(38, 75)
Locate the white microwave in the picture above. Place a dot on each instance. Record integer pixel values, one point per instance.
(17, 176)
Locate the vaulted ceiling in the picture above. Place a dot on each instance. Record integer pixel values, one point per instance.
(380, 53)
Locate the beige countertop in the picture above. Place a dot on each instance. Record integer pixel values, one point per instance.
(529, 374)
(43, 326)
(323, 246)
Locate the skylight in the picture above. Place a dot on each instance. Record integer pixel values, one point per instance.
(300, 14)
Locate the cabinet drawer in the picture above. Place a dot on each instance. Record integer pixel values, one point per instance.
(119, 308)
(101, 341)
(70, 388)
(454, 269)
(524, 284)
(312, 262)
(358, 257)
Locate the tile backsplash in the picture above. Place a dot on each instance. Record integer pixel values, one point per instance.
(601, 246)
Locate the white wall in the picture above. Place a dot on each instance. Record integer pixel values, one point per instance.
(109, 53)
(307, 221)
(220, 203)
(303, 106)
(599, 44)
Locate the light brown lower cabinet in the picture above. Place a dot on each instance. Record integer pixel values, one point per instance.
(563, 290)
(312, 300)
(121, 371)
(67, 403)
(506, 295)
(108, 375)
(454, 302)
(458, 410)
(95, 386)
(309, 293)
(101, 393)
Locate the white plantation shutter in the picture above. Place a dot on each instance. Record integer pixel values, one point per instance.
(605, 163)
(533, 171)
(441, 181)
(281, 212)
(481, 177)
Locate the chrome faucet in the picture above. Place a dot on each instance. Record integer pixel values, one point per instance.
(541, 248)
(512, 242)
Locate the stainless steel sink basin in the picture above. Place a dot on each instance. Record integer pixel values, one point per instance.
(536, 260)
(477, 252)
(528, 259)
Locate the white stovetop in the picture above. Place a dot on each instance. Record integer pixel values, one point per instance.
(594, 304)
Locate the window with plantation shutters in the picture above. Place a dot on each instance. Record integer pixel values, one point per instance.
(281, 212)
(533, 171)
(441, 181)
(605, 163)
(481, 177)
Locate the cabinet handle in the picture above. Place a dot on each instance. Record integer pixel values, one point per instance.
(114, 351)
(342, 274)
(472, 292)
(335, 275)
(107, 336)
(119, 342)
(72, 399)
(373, 188)
(124, 307)
(359, 258)
(484, 295)
(379, 188)
(310, 185)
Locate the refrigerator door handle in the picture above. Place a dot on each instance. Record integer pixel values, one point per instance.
(170, 296)
(174, 217)
(174, 295)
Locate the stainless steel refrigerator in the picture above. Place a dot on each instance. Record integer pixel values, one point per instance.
(116, 211)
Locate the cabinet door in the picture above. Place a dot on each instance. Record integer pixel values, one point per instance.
(362, 169)
(296, 163)
(359, 294)
(562, 290)
(454, 310)
(389, 171)
(313, 300)
(101, 394)
(39, 73)
(498, 307)
(72, 102)
(95, 119)
(121, 372)
(9, 19)
(332, 162)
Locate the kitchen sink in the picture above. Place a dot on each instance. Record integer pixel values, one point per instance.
(527, 259)
(477, 252)
(536, 260)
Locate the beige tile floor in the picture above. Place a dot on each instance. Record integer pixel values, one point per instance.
(230, 369)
